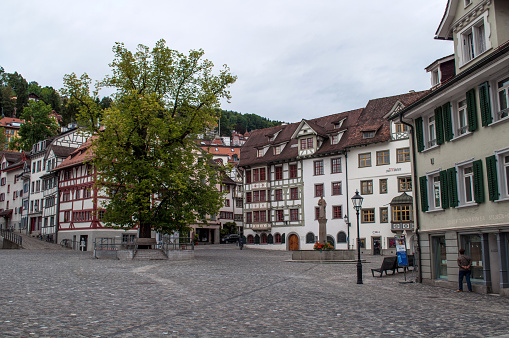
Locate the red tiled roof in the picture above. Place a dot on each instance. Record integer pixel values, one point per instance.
(7, 122)
(222, 150)
(78, 156)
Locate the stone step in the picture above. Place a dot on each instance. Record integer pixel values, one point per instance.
(150, 254)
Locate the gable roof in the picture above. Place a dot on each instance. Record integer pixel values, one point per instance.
(78, 156)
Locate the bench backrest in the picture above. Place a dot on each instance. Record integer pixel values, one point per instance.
(389, 263)
(146, 241)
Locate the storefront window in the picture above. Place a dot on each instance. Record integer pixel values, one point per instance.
(440, 257)
(473, 248)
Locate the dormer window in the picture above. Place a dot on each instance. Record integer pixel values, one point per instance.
(259, 153)
(368, 134)
(435, 78)
(337, 125)
(277, 150)
(306, 143)
(472, 40)
(335, 139)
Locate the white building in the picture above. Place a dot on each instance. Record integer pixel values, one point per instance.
(11, 190)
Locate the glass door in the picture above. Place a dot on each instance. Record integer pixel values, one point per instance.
(440, 258)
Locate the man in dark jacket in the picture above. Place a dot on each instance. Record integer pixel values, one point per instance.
(464, 263)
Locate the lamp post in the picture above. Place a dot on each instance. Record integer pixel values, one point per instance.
(348, 231)
(357, 204)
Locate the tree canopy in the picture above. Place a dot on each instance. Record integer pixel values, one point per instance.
(145, 151)
(38, 126)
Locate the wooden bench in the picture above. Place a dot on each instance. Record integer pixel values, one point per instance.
(149, 242)
(389, 263)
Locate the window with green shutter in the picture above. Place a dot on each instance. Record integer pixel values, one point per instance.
(419, 134)
(478, 182)
(471, 110)
(444, 191)
(484, 102)
(491, 171)
(439, 125)
(448, 130)
(423, 187)
(452, 187)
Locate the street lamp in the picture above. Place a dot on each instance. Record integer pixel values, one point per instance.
(348, 231)
(357, 204)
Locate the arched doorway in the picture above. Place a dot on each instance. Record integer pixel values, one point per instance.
(293, 242)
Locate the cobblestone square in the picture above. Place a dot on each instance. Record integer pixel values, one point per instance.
(225, 292)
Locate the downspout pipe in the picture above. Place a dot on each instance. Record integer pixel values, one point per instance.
(416, 196)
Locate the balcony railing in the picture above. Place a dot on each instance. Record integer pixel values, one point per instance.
(408, 226)
(400, 136)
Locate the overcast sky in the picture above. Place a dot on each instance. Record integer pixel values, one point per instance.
(294, 59)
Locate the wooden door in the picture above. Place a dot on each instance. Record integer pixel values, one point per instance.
(293, 242)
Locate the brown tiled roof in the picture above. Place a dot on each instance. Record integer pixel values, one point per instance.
(323, 126)
(371, 118)
(60, 151)
(78, 156)
(11, 156)
(7, 122)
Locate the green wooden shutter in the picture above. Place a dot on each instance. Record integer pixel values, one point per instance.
(444, 189)
(423, 185)
(446, 112)
(452, 187)
(491, 170)
(484, 102)
(419, 134)
(478, 182)
(471, 110)
(439, 125)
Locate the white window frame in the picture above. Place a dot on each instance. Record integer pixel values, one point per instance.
(460, 110)
(463, 180)
(479, 43)
(503, 173)
(431, 130)
(432, 205)
(502, 113)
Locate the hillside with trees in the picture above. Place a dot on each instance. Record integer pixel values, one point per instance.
(231, 120)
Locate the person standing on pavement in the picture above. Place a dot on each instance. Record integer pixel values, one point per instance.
(464, 263)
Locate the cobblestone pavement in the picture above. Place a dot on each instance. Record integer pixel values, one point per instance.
(225, 292)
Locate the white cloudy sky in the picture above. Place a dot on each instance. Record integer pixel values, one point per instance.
(294, 58)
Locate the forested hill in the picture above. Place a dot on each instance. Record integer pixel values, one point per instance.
(231, 120)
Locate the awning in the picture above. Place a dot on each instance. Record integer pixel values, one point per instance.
(6, 213)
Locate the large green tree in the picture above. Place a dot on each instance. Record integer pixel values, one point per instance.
(38, 126)
(145, 149)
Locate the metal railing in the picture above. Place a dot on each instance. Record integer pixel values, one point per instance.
(109, 246)
(12, 237)
(181, 243)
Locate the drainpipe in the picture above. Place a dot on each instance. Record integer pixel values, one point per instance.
(416, 196)
(347, 208)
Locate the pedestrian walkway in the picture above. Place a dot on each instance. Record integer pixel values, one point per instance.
(34, 243)
(226, 292)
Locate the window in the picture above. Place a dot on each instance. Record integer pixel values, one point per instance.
(317, 212)
(278, 173)
(293, 171)
(248, 176)
(403, 155)
(227, 203)
(437, 192)
(468, 184)
(473, 41)
(249, 217)
(278, 194)
(384, 215)
(368, 215)
(473, 248)
(249, 197)
(280, 215)
(238, 202)
(503, 98)
(318, 167)
(319, 190)
(294, 214)
(383, 185)
(335, 165)
(294, 193)
(334, 139)
(259, 175)
(306, 143)
(404, 184)
(462, 121)
(342, 237)
(337, 188)
(337, 211)
(66, 216)
(259, 153)
(382, 157)
(368, 134)
(3, 181)
(277, 238)
(310, 238)
(432, 139)
(365, 160)
(402, 213)
(366, 187)
(277, 150)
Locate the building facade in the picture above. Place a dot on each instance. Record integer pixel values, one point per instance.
(462, 151)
